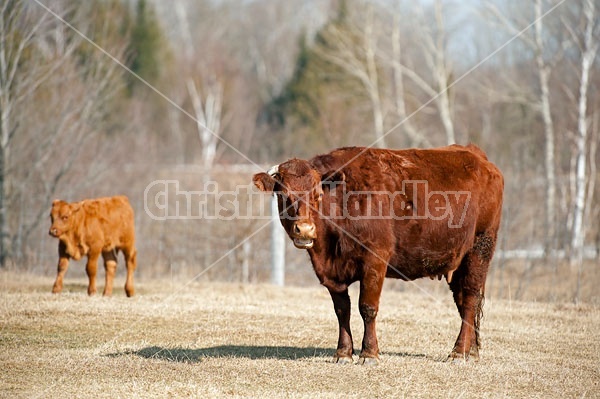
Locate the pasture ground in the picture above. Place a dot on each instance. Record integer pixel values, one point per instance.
(228, 340)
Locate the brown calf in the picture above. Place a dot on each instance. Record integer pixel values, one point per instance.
(365, 214)
(93, 227)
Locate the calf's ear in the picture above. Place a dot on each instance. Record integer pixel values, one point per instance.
(264, 182)
(76, 206)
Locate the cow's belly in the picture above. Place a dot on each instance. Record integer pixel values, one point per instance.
(420, 268)
(429, 255)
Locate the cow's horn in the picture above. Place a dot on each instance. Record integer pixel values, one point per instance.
(273, 170)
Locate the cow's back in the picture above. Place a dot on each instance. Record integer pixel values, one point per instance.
(450, 168)
(418, 238)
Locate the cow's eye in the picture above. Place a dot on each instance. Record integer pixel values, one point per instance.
(292, 203)
(65, 217)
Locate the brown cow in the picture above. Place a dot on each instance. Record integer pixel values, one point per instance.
(93, 227)
(365, 214)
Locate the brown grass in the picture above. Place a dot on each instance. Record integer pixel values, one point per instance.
(227, 340)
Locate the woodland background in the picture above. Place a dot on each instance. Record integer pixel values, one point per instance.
(202, 90)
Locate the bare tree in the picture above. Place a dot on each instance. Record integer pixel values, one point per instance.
(19, 29)
(432, 74)
(399, 91)
(352, 46)
(208, 119)
(541, 101)
(42, 64)
(588, 54)
(208, 113)
(543, 70)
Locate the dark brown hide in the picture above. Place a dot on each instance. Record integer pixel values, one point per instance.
(403, 214)
(93, 227)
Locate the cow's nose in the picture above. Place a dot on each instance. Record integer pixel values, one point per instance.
(304, 230)
(52, 232)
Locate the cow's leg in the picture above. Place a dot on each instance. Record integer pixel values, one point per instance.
(341, 304)
(91, 268)
(131, 262)
(63, 265)
(468, 286)
(110, 267)
(370, 291)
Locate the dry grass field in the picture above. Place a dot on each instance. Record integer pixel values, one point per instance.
(226, 340)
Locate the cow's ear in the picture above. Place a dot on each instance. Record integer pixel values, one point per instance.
(264, 182)
(333, 176)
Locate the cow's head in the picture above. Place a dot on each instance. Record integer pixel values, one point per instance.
(299, 191)
(61, 217)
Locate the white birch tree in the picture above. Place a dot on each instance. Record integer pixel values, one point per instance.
(432, 75)
(589, 49)
(208, 119)
(207, 112)
(540, 100)
(414, 135)
(543, 72)
(353, 48)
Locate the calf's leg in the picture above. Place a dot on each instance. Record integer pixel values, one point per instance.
(110, 267)
(91, 269)
(63, 265)
(341, 304)
(131, 263)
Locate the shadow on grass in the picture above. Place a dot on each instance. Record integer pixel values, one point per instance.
(240, 351)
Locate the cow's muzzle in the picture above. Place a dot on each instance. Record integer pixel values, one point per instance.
(304, 234)
(54, 232)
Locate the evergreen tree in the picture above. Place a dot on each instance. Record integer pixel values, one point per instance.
(146, 43)
(316, 94)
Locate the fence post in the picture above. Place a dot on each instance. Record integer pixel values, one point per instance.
(247, 250)
(277, 246)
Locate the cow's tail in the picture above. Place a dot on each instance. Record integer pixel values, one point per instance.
(479, 316)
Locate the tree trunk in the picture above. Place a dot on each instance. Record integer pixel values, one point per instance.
(4, 236)
(373, 84)
(208, 121)
(442, 71)
(587, 59)
(543, 76)
(5, 109)
(415, 137)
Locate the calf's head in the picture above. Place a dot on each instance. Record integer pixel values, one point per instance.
(61, 217)
(299, 191)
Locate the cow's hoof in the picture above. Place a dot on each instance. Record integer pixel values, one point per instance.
(368, 361)
(461, 358)
(457, 358)
(56, 290)
(343, 360)
(474, 355)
